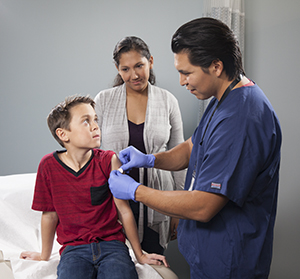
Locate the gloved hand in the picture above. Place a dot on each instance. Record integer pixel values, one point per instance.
(130, 157)
(122, 186)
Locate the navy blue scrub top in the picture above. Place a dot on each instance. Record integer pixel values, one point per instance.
(238, 157)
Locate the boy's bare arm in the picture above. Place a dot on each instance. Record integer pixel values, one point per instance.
(125, 212)
(48, 228)
(115, 162)
(127, 219)
(49, 224)
(129, 225)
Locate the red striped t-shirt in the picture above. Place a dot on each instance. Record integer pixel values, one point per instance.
(82, 200)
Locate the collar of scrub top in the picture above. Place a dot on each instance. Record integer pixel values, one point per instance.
(228, 89)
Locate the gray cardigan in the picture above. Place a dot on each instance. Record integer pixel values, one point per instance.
(162, 131)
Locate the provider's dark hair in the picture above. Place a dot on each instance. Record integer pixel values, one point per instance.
(125, 45)
(60, 116)
(206, 40)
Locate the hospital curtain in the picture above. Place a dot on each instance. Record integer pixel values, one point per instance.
(232, 13)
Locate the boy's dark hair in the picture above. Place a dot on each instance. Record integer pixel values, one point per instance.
(60, 116)
(207, 39)
(125, 45)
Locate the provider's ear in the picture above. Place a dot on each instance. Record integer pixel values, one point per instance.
(62, 135)
(218, 67)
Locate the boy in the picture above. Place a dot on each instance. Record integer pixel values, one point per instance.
(72, 191)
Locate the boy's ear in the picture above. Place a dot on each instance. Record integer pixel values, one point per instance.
(62, 135)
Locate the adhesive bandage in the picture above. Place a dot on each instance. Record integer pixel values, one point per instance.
(120, 170)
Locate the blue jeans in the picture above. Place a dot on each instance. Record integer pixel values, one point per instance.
(105, 259)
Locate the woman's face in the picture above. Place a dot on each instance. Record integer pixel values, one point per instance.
(135, 70)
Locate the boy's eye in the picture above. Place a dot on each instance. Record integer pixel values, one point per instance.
(86, 121)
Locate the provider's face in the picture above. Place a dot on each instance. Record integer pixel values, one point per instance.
(198, 82)
(84, 130)
(135, 70)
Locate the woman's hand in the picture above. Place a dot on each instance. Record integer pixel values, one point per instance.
(153, 259)
(173, 228)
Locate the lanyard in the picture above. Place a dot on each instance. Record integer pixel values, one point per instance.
(229, 88)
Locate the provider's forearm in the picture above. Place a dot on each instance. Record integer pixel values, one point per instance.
(48, 228)
(176, 158)
(196, 205)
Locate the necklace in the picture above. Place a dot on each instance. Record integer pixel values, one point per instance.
(229, 88)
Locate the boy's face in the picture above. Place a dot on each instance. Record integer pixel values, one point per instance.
(84, 131)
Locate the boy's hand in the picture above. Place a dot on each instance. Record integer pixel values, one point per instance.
(34, 256)
(122, 186)
(153, 259)
(130, 157)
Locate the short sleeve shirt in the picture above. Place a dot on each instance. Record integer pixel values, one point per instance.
(82, 200)
(238, 156)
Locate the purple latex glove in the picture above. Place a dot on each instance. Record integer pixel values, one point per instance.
(130, 157)
(122, 186)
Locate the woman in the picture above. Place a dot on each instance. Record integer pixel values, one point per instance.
(135, 112)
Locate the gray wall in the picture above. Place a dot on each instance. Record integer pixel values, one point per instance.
(272, 60)
(51, 49)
